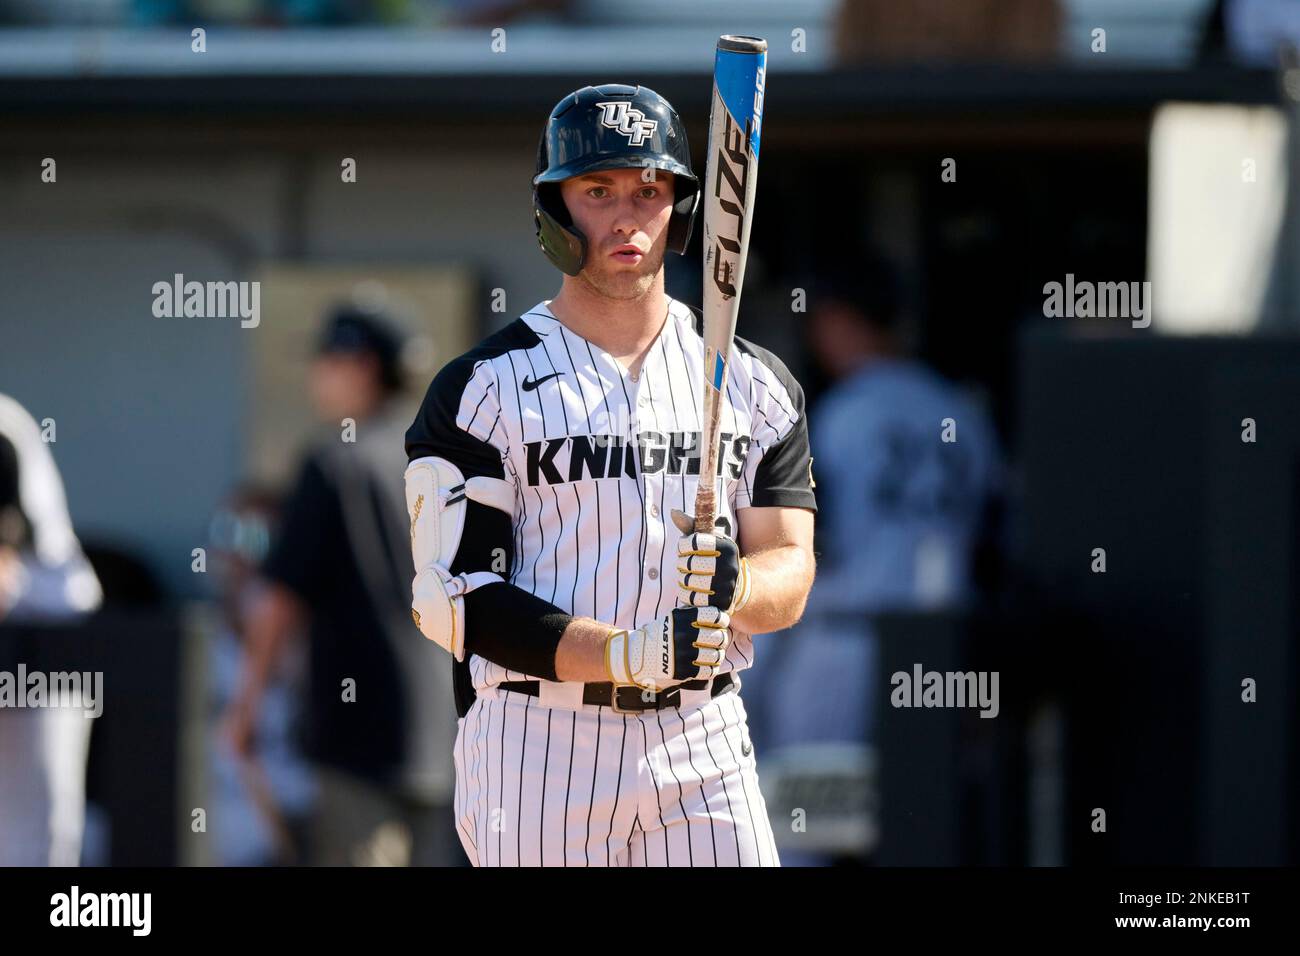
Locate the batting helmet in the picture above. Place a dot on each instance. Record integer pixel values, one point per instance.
(609, 127)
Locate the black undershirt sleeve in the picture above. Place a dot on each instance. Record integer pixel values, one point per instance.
(503, 623)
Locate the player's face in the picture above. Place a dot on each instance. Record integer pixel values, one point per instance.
(624, 215)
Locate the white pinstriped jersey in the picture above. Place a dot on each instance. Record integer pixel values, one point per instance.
(599, 459)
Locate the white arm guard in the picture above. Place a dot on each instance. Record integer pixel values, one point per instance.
(436, 494)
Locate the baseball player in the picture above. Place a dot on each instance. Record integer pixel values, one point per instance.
(598, 643)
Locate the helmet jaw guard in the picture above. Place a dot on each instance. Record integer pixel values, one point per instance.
(590, 130)
(563, 244)
(684, 206)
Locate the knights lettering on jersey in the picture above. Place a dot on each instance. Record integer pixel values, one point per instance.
(585, 457)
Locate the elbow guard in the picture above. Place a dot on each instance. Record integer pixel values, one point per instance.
(436, 495)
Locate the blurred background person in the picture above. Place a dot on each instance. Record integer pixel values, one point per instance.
(907, 459)
(902, 514)
(263, 801)
(379, 721)
(44, 578)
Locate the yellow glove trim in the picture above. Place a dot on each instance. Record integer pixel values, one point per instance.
(743, 593)
(609, 643)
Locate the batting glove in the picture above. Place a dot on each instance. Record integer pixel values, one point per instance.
(711, 572)
(688, 643)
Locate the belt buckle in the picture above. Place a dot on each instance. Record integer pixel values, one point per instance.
(613, 700)
(654, 703)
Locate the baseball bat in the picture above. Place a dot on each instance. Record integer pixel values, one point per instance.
(735, 124)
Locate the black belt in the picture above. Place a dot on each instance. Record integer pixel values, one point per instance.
(627, 699)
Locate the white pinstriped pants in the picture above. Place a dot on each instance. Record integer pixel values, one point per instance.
(550, 786)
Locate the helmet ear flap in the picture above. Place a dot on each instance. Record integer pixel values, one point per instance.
(560, 241)
(683, 219)
(549, 196)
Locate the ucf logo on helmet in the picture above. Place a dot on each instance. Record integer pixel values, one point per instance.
(623, 119)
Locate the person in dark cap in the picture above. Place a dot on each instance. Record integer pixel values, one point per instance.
(357, 365)
(378, 721)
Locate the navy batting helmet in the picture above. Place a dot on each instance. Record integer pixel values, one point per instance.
(609, 127)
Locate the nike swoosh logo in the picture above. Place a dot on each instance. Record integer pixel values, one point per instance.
(530, 385)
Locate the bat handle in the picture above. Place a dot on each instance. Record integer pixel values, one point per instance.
(706, 509)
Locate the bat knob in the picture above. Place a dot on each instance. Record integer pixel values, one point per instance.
(741, 44)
